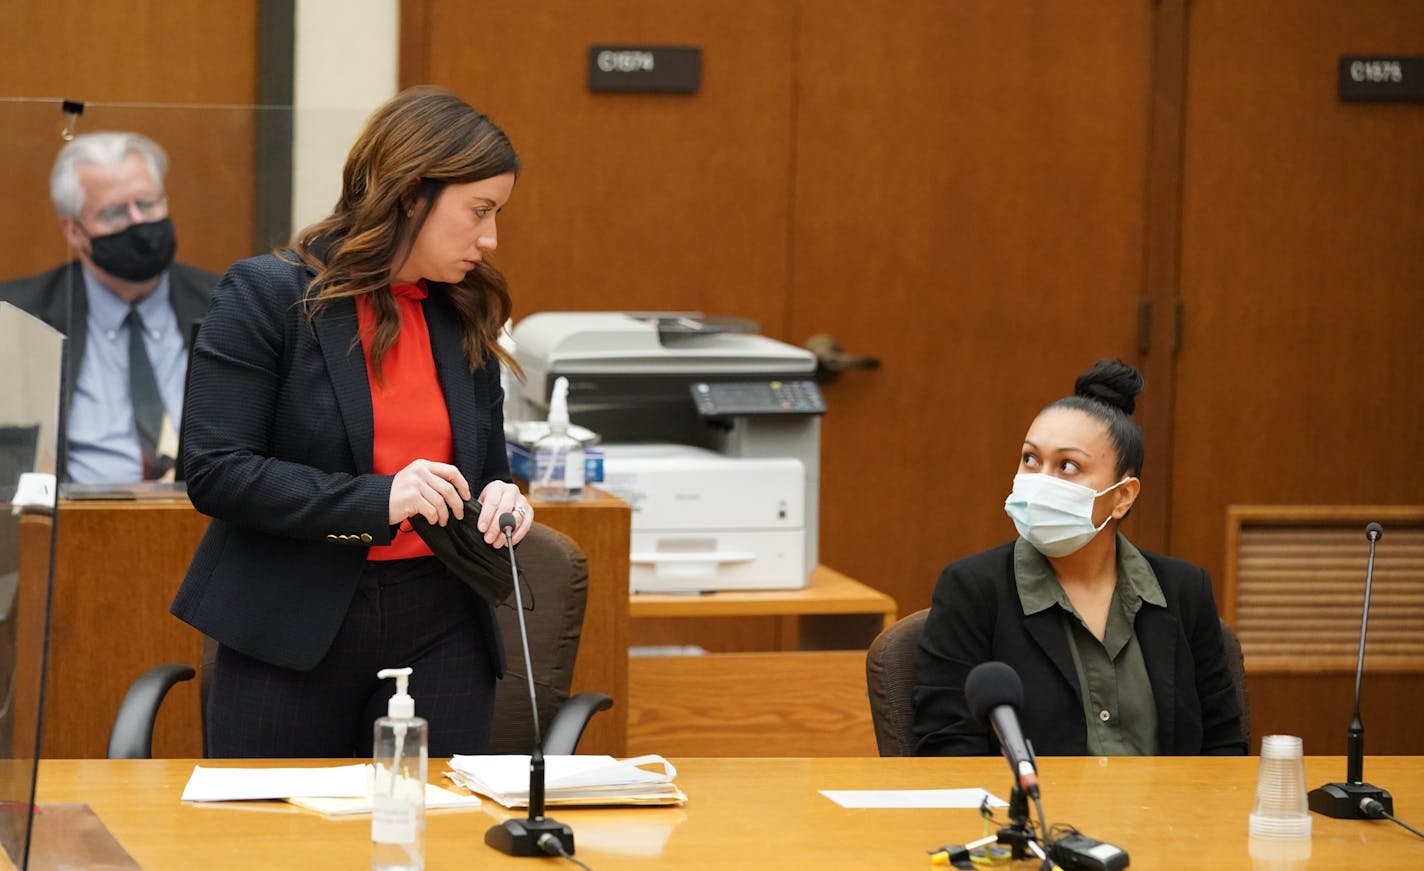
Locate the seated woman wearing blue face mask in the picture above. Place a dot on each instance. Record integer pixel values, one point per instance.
(1119, 649)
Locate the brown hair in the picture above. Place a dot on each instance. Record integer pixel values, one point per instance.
(419, 141)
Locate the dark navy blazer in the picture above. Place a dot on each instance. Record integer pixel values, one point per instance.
(277, 440)
(976, 617)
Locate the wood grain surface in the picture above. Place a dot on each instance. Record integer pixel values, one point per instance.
(1168, 813)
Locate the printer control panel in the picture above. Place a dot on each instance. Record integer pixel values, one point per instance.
(732, 398)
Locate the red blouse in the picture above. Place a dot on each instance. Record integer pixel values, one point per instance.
(411, 419)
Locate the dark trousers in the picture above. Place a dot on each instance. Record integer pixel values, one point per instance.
(405, 613)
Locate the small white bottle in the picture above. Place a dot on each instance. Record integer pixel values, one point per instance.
(398, 791)
(558, 456)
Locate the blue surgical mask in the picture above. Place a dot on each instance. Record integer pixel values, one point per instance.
(1054, 515)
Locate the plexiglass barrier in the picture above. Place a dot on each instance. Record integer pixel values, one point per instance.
(239, 180)
(31, 354)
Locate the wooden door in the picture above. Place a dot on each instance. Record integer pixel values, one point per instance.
(628, 201)
(1301, 365)
(968, 208)
(1300, 370)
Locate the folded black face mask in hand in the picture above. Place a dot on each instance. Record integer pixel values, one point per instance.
(462, 548)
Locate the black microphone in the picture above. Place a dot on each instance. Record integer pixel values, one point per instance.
(994, 695)
(538, 835)
(1348, 800)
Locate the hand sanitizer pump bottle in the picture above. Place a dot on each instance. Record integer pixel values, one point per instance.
(558, 456)
(398, 791)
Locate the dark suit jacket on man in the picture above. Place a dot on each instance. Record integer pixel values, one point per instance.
(976, 617)
(57, 297)
(277, 443)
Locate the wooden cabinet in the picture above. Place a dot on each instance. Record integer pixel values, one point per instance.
(118, 564)
(805, 696)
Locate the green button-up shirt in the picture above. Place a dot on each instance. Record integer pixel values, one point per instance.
(1113, 685)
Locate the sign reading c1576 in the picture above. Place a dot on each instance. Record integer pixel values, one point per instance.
(1381, 78)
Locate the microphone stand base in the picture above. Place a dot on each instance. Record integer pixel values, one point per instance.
(1341, 801)
(515, 837)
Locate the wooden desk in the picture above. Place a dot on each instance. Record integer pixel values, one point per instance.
(119, 563)
(826, 592)
(802, 692)
(1168, 813)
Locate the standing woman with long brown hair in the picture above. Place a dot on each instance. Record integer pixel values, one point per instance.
(337, 389)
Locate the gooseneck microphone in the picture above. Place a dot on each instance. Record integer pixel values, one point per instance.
(1348, 800)
(994, 695)
(538, 835)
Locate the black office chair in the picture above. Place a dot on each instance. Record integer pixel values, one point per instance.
(890, 681)
(554, 574)
(1236, 664)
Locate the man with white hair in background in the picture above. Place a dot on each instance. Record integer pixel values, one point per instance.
(125, 306)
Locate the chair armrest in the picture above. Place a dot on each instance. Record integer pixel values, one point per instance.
(132, 734)
(562, 736)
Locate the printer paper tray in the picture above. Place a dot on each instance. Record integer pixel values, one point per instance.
(683, 562)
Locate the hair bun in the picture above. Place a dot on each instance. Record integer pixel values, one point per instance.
(1111, 382)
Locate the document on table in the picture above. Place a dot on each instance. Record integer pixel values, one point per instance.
(912, 798)
(436, 798)
(246, 784)
(570, 780)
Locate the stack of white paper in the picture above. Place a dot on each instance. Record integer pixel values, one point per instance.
(246, 784)
(570, 780)
(436, 798)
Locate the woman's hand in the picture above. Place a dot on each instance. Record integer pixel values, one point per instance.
(497, 498)
(433, 490)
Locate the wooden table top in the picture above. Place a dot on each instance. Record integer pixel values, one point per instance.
(767, 813)
(827, 591)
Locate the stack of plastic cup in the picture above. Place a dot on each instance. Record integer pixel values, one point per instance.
(1281, 812)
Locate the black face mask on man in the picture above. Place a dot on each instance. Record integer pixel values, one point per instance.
(136, 253)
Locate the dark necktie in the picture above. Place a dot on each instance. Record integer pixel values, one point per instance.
(147, 403)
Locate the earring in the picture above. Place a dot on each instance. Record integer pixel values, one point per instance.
(410, 213)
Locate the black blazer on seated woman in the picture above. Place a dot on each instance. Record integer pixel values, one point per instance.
(976, 617)
(277, 437)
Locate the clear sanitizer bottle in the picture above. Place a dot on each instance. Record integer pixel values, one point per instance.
(398, 791)
(558, 456)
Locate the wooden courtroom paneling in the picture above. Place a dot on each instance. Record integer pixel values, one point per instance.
(1294, 591)
(197, 58)
(955, 188)
(117, 567)
(1300, 367)
(968, 208)
(25, 628)
(962, 191)
(629, 201)
(1295, 585)
(1317, 708)
(120, 563)
(750, 704)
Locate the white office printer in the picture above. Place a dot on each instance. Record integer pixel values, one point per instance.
(713, 436)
